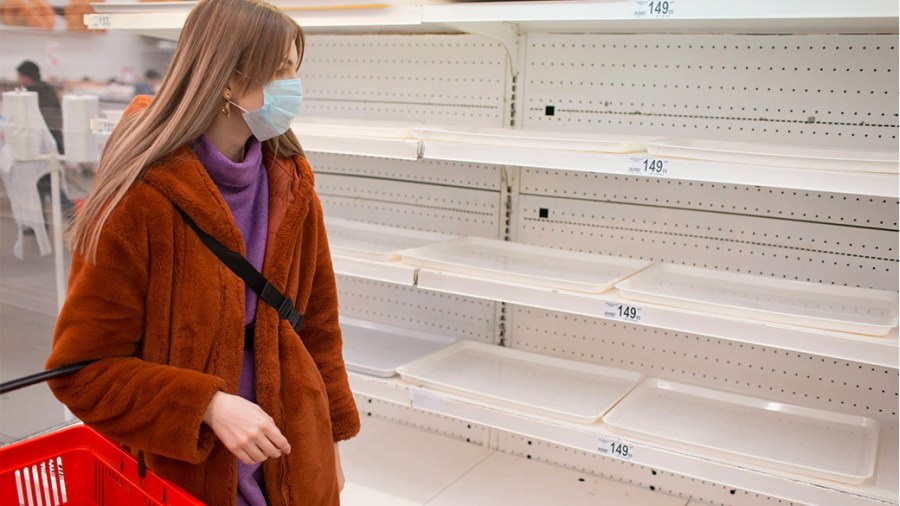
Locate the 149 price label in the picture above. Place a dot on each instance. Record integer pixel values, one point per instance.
(614, 448)
(654, 9)
(100, 21)
(641, 166)
(624, 312)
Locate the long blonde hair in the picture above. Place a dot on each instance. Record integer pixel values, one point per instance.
(219, 37)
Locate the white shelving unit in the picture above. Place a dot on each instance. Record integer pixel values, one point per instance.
(702, 69)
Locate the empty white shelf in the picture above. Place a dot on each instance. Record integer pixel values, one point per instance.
(382, 139)
(813, 442)
(828, 307)
(672, 457)
(388, 271)
(766, 16)
(411, 141)
(165, 19)
(378, 349)
(542, 139)
(522, 263)
(389, 464)
(351, 238)
(521, 381)
(773, 155)
(881, 351)
(695, 16)
(636, 164)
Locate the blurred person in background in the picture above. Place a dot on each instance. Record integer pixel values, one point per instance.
(28, 75)
(149, 85)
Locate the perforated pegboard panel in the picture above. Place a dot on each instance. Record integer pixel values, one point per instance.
(466, 175)
(780, 248)
(819, 207)
(633, 474)
(825, 90)
(433, 208)
(451, 427)
(407, 307)
(778, 375)
(438, 78)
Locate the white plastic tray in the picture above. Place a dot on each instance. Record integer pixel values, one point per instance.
(828, 307)
(378, 350)
(525, 264)
(375, 242)
(807, 441)
(536, 139)
(523, 382)
(801, 157)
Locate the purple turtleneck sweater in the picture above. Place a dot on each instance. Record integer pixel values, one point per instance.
(245, 187)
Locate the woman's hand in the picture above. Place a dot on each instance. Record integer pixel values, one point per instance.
(340, 468)
(245, 429)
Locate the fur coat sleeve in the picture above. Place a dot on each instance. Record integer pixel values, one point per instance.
(134, 401)
(322, 336)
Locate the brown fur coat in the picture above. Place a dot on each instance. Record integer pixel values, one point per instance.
(166, 318)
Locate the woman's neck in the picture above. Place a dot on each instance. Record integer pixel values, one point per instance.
(230, 141)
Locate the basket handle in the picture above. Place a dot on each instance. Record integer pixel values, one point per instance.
(65, 370)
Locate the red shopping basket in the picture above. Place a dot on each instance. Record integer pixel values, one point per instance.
(78, 466)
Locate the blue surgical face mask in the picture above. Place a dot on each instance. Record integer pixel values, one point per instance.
(281, 105)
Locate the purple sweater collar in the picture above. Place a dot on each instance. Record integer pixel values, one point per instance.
(225, 172)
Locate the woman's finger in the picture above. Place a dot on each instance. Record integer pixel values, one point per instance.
(254, 452)
(277, 438)
(243, 457)
(268, 448)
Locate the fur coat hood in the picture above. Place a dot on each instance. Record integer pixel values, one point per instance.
(165, 317)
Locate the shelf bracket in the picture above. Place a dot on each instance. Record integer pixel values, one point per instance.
(505, 33)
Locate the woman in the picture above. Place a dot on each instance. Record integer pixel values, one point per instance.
(167, 319)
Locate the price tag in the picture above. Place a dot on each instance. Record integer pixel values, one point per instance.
(654, 9)
(623, 312)
(102, 126)
(643, 166)
(616, 448)
(429, 401)
(99, 22)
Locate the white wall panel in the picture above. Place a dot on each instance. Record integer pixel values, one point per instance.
(807, 206)
(407, 307)
(466, 175)
(823, 90)
(437, 78)
(432, 208)
(458, 429)
(774, 247)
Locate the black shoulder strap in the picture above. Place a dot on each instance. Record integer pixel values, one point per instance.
(252, 277)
